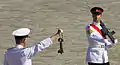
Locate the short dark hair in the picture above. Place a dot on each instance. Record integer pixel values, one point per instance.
(20, 39)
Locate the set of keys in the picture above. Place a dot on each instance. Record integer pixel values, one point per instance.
(61, 40)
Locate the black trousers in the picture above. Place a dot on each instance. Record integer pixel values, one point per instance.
(98, 63)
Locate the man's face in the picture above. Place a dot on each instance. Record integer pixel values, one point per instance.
(97, 17)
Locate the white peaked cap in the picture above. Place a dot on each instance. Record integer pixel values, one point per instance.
(21, 32)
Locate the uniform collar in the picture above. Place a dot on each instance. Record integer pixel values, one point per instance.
(19, 46)
(96, 23)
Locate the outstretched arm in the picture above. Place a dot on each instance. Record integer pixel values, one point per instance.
(43, 44)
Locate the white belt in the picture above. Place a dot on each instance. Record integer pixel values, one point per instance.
(97, 46)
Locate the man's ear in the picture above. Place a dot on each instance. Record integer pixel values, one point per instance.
(25, 40)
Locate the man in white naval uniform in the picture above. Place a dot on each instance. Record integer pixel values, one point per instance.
(22, 56)
(98, 43)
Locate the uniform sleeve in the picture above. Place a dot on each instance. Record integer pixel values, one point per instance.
(93, 35)
(5, 61)
(108, 43)
(39, 47)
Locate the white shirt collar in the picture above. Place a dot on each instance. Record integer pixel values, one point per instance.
(19, 46)
(96, 23)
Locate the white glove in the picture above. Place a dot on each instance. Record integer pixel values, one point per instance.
(116, 41)
(61, 30)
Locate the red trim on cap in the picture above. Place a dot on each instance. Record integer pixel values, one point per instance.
(99, 11)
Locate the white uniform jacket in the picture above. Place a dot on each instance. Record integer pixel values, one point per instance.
(97, 52)
(22, 56)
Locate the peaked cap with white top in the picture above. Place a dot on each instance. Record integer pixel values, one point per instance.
(21, 32)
